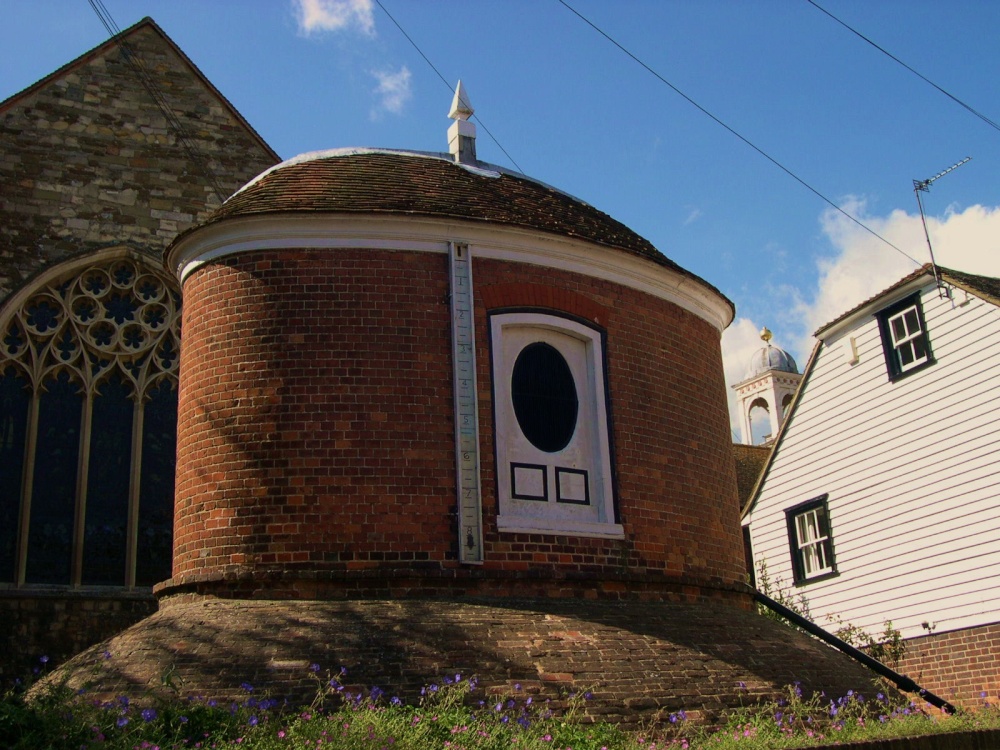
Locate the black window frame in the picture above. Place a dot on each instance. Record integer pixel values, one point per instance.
(892, 362)
(798, 563)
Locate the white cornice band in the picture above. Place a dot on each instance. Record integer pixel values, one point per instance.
(421, 234)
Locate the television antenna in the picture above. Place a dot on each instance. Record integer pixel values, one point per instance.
(924, 186)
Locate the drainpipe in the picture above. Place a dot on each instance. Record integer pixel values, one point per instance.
(901, 681)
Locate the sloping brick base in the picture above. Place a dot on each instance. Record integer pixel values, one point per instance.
(640, 659)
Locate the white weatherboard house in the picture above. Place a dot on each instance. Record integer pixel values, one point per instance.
(881, 498)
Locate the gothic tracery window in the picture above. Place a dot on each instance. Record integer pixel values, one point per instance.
(88, 419)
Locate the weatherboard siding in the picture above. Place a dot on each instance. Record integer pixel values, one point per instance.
(911, 472)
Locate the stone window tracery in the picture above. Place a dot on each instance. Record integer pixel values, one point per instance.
(88, 414)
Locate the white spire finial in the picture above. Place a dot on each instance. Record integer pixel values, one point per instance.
(461, 107)
(462, 133)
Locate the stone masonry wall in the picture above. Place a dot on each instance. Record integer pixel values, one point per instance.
(57, 625)
(88, 161)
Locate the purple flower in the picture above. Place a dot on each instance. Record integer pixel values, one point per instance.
(252, 721)
(396, 701)
(148, 714)
(43, 659)
(122, 721)
(247, 686)
(314, 667)
(183, 719)
(106, 654)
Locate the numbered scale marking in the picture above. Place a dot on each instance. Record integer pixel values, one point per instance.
(463, 357)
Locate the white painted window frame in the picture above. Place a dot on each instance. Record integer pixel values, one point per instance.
(602, 490)
(907, 342)
(811, 549)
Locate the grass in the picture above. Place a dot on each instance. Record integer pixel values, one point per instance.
(456, 714)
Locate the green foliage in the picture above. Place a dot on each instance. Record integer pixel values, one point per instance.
(453, 715)
(889, 648)
(776, 590)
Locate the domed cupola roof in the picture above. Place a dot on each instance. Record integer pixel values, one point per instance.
(769, 357)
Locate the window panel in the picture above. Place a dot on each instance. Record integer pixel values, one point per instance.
(553, 444)
(154, 549)
(105, 526)
(110, 329)
(14, 401)
(53, 497)
(810, 540)
(904, 337)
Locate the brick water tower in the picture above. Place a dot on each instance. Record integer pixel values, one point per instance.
(437, 416)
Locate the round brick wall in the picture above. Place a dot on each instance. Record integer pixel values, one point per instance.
(316, 435)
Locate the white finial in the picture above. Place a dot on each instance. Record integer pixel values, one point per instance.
(462, 133)
(461, 108)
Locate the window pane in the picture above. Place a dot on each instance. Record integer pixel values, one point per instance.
(544, 395)
(898, 328)
(14, 400)
(156, 498)
(53, 498)
(809, 562)
(912, 323)
(104, 540)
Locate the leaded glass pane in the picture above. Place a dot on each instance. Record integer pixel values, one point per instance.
(14, 400)
(156, 499)
(53, 501)
(104, 534)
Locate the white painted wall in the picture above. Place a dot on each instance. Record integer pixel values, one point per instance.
(912, 470)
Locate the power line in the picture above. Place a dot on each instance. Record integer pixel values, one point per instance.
(448, 85)
(732, 131)
(134, 61)
(955, 99)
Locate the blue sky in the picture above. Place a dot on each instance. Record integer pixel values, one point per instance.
(573, 110)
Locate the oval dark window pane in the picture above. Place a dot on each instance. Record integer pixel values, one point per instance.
(544, 396)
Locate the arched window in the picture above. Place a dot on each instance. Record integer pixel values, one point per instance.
(760, 421)
(554, 462)
(88, 419)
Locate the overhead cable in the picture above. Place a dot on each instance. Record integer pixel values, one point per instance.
(955, 99)
(450, 86)
(732, 131)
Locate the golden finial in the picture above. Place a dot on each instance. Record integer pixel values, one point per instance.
(765, 335)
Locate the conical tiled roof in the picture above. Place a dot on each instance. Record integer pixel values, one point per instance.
(374, 181)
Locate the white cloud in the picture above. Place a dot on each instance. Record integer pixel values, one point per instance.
(739, 342)
(394, 88)
(864, 265)
(693, 215)
(861, 267)
(333, 15)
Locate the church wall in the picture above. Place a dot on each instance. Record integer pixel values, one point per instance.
(58, 624)
(316, 438)
(88, 160)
